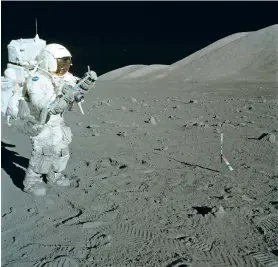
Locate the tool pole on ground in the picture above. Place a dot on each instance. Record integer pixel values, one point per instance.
(223, 158)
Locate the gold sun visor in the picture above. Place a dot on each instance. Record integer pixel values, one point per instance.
(63, 65)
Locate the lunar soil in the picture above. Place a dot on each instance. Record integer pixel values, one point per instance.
(148, 187)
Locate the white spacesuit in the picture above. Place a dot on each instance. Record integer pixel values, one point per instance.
(44, 88)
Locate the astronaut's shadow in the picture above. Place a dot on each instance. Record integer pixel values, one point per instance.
(10, 162)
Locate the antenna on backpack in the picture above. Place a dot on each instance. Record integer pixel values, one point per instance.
(36, 24)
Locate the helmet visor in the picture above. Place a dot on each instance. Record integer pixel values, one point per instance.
(63, 65)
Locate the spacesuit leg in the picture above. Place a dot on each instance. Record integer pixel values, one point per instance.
(33, 183)
(40, 163)
(60, 160)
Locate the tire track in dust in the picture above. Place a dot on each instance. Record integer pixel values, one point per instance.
(132, 233)
(225, 259)
(199, 248)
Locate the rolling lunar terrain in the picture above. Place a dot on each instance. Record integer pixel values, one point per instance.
(148, 185)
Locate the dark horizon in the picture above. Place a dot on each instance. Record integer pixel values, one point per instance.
(111, 35)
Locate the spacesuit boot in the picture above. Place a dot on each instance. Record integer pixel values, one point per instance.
(57, 179)
(33, 183)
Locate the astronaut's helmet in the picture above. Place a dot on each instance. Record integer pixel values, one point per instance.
(55, 59)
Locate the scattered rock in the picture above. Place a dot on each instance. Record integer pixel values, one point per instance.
(191, 124)
(272, 138)
(122, 134)
(31, 210)
(134, 100)
(92, 126)
(104, 103)
(95, 132)
(151, 120)
(219, 124)
(246, 198)
(177, 107)
(220, 213)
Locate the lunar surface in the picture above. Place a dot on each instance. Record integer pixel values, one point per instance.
(148, 187)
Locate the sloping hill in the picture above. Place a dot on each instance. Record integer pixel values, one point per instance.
(119, 73)
(145, 72)
(252, 55)
(247, 55)
(142, 72)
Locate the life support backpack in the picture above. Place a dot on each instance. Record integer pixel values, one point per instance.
(22, 55)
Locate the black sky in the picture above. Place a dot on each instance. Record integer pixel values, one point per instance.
(110, 35)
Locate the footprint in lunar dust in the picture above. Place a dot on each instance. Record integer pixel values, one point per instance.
(99, 240)
(107, 163)
(178, 263)
(101, 237)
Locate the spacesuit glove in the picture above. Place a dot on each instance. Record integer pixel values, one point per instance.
(88, 84)
(37, 127)
(92, 76)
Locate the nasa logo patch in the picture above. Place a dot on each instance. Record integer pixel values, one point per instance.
(35, 78)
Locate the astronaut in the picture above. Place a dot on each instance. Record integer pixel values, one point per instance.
(45, 90)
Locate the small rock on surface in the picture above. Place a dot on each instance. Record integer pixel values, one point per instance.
(134, 100)
(272, 138)
(92, 126)
(221, 212)
(151, 120)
